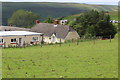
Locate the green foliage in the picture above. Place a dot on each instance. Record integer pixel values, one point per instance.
(49, 20)
(94, 23)
(23, 18)
(71, 23)
(105, 29)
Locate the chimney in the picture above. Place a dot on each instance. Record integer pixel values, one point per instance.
(56, 22)
(37, 21)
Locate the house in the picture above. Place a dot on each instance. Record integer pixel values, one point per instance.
(12, 28)
(114, 21)
(19, 38)
(55, 33)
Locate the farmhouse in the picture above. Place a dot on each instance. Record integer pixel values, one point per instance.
(19, 38)
(12, 28)
(55, 33)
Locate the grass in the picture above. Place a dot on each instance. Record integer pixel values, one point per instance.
(86, 60)
(114, 15)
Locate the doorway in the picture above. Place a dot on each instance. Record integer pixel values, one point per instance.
(20, 42)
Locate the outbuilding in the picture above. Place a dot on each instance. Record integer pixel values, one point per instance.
(19, 38)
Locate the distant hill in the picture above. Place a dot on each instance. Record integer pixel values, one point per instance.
(45, 9)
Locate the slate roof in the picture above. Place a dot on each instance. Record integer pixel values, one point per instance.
(61, 31)
(11, 28)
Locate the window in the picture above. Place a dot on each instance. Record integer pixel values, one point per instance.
(13, 40)
(1, 41)
(35, 39)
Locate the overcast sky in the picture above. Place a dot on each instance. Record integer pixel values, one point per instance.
(108, 2)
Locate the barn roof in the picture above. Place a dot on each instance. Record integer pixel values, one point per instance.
(61, 31)
(17, 33)
(12, 28)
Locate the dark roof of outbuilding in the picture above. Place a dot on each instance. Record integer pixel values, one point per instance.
(12, 28)
(61, 31)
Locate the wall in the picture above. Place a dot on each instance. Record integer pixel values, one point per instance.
(72, 35)
(48, 40)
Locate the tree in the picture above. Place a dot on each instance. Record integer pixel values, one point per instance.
(23, 18)
(94, 23)
(49, 20)
(105, 29)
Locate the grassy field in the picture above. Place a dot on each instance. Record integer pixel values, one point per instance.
(114, 15)
(86, 60)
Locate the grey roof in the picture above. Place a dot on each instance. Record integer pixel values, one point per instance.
(61, 31)
(12, 28)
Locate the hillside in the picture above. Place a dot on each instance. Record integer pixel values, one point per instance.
(51, 9)
(113, 15)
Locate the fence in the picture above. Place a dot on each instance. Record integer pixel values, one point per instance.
(41, 44)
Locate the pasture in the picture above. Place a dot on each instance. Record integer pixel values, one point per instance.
(86, 60)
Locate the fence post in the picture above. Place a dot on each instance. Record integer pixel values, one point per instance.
(60, 41)
(72, 40)
(94, 40)
(78, 41)
(4, 44)
(41, 43)
(24, 44)
(84, 38)
(110, 38)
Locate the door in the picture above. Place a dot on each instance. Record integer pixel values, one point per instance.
(20, 42)
(53, 39)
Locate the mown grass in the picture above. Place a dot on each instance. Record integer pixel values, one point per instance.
(86, 60)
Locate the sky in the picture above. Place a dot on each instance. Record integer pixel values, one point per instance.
(104, 2)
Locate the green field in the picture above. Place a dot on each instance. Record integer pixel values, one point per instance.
(86, 60)
(114, 15)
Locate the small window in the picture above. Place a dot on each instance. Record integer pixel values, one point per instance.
(13, 40)
(1, 41)
(35, 39)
